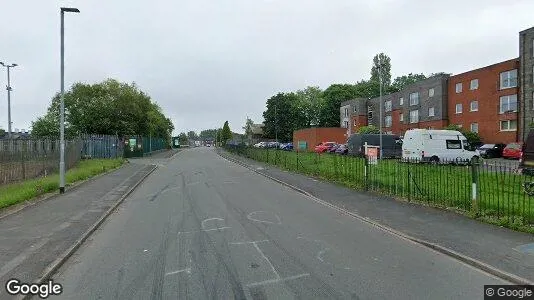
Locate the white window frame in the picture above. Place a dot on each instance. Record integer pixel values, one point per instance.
(386, 122)
(431, 109)
(507, 97)
(431, 92)
(471, 105)
(414, 118)
(401, 117)
(401, 101)
(532, 100)
(355, 109)
(476, 125)
(458, 105)
(458, 87)
(509, 122)
(388, 105)
(473, 85)
(345, 124)
(355, 122)
(346, 112)
(507, 79)
(414, 100)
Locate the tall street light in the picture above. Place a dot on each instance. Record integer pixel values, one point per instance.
(8, 88)
(62, 105)
(380, 79)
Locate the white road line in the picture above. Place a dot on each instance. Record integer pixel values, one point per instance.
(205, 230)
(187, 270)
(202, 225)
(252, 242)
(249, 216)
(268, 261)
(321, 253)
(270, 281)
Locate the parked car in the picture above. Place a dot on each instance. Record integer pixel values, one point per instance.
(333, 148)
(260, 145)
(512, 150)
(526, 161)
(437, 146)
(391, 144)
(323, 147)
(272, 145)
(342, 149)
(287, 147)
(491, 150)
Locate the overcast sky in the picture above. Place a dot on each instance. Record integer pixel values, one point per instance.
(207, 61)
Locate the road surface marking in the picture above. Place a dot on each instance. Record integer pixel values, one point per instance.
(321, 253)
(268, 261)
(251, 242)
(202, 225)
(187, 270)
(249, 216)
(270, 281)
(13, 263)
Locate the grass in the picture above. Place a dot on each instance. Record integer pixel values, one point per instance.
(26, 190)
(501, 199)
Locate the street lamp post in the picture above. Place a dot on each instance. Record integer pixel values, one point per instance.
(9, 89)
(380, 80)
(62, 105)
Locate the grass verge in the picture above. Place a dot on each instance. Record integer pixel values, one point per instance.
(26, 190)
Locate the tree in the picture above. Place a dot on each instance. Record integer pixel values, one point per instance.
(371, 129)
(282, 116)
(2, 132)
(208, 134)
(226, 133)
(333, 96)
(191, 135)
(383, 62)
(472, 137)
(310, 103)
(401, 82)
(109, 107)
(248, 128)
(183, 138)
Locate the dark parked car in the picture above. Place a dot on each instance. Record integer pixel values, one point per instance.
(491, 150)
(287, 146)
(392, 144)
(333, 148)
(342, 149)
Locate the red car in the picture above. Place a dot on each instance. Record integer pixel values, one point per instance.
(512, 150)
(324, 146)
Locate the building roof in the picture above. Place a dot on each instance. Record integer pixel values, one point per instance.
(488, 66)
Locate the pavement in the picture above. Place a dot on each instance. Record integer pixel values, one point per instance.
(34, 238)
(202, 227)
(505, 250)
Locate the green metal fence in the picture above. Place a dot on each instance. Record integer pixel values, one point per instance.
(492, 190)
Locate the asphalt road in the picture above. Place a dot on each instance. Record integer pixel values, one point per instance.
(201, 227)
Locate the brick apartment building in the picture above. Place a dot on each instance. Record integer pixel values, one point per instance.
(353, 115)
(526, 82)
(485, 101)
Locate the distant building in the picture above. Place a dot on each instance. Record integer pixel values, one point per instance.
(526, 82)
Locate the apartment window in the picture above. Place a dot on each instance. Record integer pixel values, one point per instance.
(430, 111)
(509, 125)
(414, 116)
(533, 100)
(458, 87)
(387, 105)
(345, 124)
(509, 79)
(431, 92)
(355, 109)
(508, 103)
(474, 84)
(473, 106)
(401, 101)
(533, 74)
(414, 98)
(458, 108)
(460, 125)
(355, 123)
(346, 112)
(401, 117)
(387, 121)
(474, 127)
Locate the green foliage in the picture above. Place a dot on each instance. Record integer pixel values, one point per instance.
(248, 127)
(402, 81)
(208, 134)
(226, 133)
(182, 137)
(382, 61)
(109, 107)
(2, 132)
(333, 96)
(369, 130)
(472, 137)
(191, 135)
(11, 194)
(283, 116)
(310, 103)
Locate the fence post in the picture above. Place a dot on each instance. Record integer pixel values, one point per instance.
(297, 160)
(474, 182)
(23, 165)
(365, 171)
(409, 182)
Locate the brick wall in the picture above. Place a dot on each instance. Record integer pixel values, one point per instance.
(526, 79)
(314, 136)
(488, 95)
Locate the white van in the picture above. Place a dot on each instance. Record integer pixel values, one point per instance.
(437, 146)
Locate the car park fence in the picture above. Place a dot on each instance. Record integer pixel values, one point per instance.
(494, 191)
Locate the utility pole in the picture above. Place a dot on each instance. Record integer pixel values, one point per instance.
(276, 122)
(9, 89)
(380, 79)
(62, 105)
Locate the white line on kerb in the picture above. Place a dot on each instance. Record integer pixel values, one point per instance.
(277, 280)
